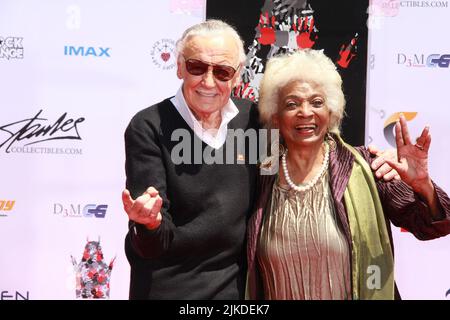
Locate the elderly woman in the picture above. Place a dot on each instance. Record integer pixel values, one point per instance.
(321, 227)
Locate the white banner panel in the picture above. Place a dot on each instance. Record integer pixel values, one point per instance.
(408, 71)
(74, 72)
(73, 75)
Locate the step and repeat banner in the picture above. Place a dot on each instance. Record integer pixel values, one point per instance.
(408, 71)
(73, 73)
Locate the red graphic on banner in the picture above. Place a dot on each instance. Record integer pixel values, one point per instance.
(347, 53)
(244, 90)
(92, 273)
(266, 29)
(307, 36)
(284, 26)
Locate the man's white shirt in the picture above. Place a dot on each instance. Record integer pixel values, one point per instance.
(209, 136)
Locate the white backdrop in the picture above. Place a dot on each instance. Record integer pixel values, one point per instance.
(402, 35)
(101, 61)
(90, 65)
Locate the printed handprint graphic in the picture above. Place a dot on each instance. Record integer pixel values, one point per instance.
(92, 273)
(347, 52)
(266, 29)
(251, 75)
(307, 34)
(285, 26)
(273, 27)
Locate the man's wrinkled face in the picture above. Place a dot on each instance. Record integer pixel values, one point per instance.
(206, 93)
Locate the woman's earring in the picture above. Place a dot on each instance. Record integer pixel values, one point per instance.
(282, 149)
(277, 148)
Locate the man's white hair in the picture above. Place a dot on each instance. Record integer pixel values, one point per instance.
(306, 65)
(212, 27)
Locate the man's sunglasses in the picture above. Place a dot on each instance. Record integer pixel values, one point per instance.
(220, 72)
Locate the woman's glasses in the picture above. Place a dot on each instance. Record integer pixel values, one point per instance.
(220, 72)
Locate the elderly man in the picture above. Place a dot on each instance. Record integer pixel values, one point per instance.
(187, 231)
(187, 223)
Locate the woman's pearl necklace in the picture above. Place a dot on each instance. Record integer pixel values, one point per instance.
(313, 181)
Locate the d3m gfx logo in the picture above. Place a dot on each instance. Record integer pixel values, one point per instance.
(87, 51)
(163, 54)
(77, 211)
(418, 60)
(389, 125)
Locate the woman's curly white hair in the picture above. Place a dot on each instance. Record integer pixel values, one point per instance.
(306, 65)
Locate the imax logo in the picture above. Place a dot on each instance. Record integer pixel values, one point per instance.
(76, 210)
(86, 51)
